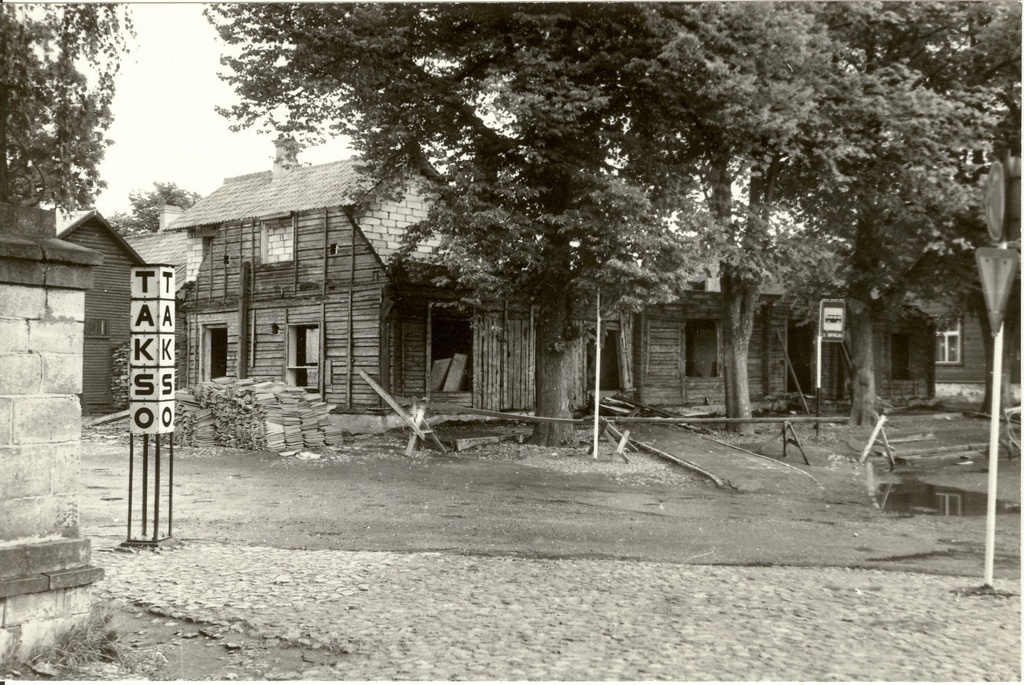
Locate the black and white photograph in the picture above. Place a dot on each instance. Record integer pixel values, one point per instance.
(510, 341)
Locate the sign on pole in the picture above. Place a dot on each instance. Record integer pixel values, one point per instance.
(998, 269)
(995, 201)
(832, 320)
(151, 355)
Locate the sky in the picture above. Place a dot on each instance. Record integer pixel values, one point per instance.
(165, 127)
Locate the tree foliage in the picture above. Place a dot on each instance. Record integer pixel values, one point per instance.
(524, 118)
(622, 146)
(144, 216)
(918, 88)
(57, 69)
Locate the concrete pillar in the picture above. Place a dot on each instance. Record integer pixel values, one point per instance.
(45, 569)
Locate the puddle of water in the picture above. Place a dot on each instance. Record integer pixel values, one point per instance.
(914, 497)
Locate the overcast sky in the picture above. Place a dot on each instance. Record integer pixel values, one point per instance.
(165, 127)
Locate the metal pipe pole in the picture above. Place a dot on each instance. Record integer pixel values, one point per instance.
(993, 454)
(145, 481)
(817, 391)
(156, 491)
(597, 376)
(131, 480)
(170, 484)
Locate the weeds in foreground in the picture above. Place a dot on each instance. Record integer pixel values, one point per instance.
(92, 640)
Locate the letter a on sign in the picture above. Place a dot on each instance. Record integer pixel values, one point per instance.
(998, 270)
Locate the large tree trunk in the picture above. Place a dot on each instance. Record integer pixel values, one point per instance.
(739, 305)
(862, 337)
(555, 370)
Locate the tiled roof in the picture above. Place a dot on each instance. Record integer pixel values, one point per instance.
(164, 248)
(260, 194)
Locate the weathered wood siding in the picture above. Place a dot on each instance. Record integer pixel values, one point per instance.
(109, 300)
(333, 278)
(660, 353)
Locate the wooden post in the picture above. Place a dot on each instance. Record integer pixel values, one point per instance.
(243, 319)
(871, 440)
(295, 251)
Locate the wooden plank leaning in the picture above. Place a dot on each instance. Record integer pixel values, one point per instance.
(427, 434)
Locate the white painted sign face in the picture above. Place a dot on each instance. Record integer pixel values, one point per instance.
(152, 316)
(832, 320)
(151, 353)
(152, 417)
(153, 283)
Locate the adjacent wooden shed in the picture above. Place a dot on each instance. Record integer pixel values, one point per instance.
(107, 304)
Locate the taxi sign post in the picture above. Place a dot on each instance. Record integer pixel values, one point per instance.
(831, 328)
(151, 359)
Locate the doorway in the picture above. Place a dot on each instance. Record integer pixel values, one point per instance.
(800, 347)
(216, 345)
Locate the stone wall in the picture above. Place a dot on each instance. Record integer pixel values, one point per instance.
(45, 570)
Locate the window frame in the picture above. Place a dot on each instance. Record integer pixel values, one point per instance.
(942, 345)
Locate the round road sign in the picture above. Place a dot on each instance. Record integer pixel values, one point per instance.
(995, 201)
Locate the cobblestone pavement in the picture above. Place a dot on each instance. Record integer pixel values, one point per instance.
(431, 616)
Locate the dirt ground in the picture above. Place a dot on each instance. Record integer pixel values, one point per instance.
(510, 499)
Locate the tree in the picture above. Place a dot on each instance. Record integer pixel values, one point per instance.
(57, 69)
(527, 120)
(889, 184)
(145, 214)
(738, 86)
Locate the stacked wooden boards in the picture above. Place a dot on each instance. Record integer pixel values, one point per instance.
(254, 415)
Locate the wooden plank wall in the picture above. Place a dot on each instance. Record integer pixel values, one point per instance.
(108, 299)
(334, 275)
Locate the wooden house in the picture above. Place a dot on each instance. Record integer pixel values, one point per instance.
(292, 278)
(292, 281)
(107, 304)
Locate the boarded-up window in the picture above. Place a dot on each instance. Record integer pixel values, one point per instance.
(451, 354)
(276, 241)
(664, 347)
(96, 328)
(702, 348)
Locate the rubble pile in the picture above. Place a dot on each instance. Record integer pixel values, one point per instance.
(260, 415)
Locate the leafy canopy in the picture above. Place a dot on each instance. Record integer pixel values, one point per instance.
(529, 120)
(57, 69)
(144, 216)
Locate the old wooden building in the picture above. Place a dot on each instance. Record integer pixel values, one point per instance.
(292, 279)
(107, 304)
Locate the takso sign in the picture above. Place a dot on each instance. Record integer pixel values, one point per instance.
(151, 358)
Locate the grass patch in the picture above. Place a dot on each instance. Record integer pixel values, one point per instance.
(92, 640)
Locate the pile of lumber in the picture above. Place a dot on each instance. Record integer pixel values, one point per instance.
(261, 415)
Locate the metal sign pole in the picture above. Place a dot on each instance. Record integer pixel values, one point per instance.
(993, 455)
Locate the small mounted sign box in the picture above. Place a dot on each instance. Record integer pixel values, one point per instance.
(151, 355)
(832, 320)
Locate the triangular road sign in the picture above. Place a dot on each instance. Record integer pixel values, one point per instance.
(998, 269)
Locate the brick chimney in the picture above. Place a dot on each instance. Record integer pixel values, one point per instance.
(286, 153)
(168, 213)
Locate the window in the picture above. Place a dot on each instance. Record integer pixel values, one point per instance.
(900, 356)
(96, 328)
(702, 348)
(947, 346)
(276, 241)
(303, 356)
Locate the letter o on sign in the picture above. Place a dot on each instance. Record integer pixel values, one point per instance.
(167, 417)
(144, 417)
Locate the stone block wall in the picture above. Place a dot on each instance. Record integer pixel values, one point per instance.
(45, 570)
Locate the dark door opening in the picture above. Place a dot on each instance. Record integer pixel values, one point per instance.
(217, 351)
(610, 376)
(800, 348)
